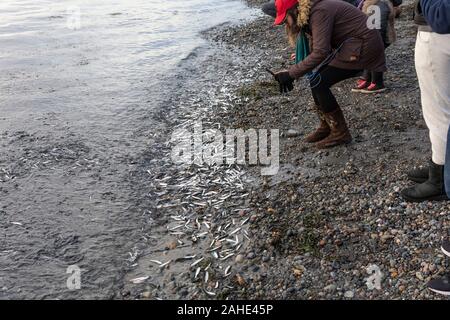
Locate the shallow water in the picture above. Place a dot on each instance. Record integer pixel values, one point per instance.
(98, 48)
(78, 105)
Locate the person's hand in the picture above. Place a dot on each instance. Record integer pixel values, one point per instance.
(285, 81)
(293, 56)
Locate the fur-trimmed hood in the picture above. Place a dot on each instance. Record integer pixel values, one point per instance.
(304, 9)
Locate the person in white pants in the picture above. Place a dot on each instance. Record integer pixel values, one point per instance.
(432, 60)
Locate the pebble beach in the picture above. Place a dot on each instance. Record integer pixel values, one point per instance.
(328, 219)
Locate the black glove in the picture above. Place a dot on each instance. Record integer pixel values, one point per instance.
(285, 81)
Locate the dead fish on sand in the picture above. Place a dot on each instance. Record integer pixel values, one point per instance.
(227, 256)
(139, 280)
(197, 272)
(236, 230)
(165, 264)
(197, 262)
(209, 293)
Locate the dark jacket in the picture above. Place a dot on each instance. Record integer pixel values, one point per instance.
(333, 23)
(437, 14)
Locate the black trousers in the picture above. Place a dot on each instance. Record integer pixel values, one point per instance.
(373, 77)
(320, 86)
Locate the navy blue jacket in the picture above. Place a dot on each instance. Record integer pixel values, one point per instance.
(437, 14)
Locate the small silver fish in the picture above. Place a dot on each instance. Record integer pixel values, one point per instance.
(227, 271)
(236, 230)
(197, 272)
(165, 264)
(209, 293)
(197, 262)
(227, 256)
(139, 280)
(245, 221)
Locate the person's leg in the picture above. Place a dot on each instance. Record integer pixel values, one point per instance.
(323, 130)
(377, 83)
(321, 85)
(363, 82)
(377, 78)
(447, 166)
(436, 100)
(367, 75)
(339, 133)
(432, 67)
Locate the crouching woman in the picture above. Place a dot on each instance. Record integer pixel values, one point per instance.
(340, 46)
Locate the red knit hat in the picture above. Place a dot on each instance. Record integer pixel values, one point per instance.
(282, 7)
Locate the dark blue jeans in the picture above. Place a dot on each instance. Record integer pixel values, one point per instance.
(447, 166)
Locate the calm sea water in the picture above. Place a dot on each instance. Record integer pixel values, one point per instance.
(123, 38)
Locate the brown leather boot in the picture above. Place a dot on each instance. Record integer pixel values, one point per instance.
(321, 132)
(339, 131)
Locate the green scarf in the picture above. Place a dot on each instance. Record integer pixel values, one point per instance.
(302, 49)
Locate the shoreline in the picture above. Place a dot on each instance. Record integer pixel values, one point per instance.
(315, 228)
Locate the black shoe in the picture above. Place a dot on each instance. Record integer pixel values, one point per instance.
(419, 175)
(432, 189)
(446, 247)
(440, 285)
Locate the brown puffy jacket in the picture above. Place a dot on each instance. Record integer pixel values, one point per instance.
(332, 23)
